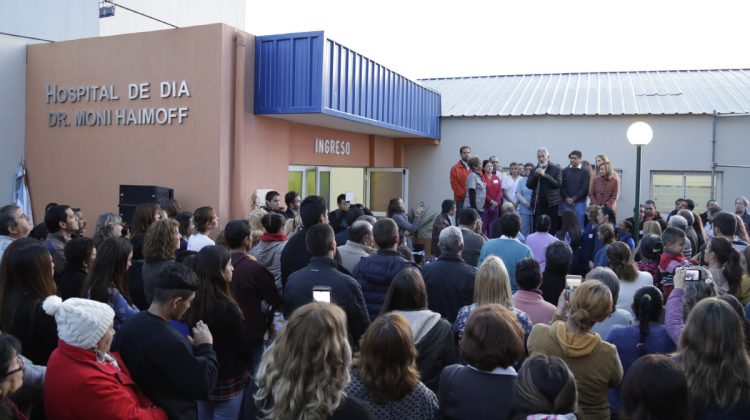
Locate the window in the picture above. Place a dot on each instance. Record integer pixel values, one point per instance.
(666, 187)
(384, 184)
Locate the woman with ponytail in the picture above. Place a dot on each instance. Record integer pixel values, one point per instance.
(649, 336)
(594, 363)
(724, 264)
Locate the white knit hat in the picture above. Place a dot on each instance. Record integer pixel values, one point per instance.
(80, 322)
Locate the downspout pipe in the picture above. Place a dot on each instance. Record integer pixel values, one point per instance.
(236, 182)
(713, 157)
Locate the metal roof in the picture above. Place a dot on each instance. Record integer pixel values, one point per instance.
(670, 92)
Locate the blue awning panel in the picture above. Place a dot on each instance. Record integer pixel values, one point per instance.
(305, 73)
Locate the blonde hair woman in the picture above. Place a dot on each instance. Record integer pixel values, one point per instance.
(256, 226)
(492, 285)
(594, 362)
(652, 227)
(292, 226)
(304, 372)
(606, 186)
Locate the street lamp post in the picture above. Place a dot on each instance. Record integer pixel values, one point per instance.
(639, 134)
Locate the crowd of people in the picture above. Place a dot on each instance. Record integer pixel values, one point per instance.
(534, 304)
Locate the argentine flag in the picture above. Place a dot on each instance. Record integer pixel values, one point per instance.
(21, 196)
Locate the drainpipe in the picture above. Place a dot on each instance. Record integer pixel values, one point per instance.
(236, 184)
(713, 157)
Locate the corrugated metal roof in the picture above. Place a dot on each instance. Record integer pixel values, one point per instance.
(670, 92)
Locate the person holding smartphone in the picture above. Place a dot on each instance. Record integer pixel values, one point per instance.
(324, 280)
(691, 285)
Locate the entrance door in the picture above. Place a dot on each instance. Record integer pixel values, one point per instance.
(310, 180)
(383, 184)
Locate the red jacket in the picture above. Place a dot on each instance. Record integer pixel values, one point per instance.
(494, 189)
(77, 386)
(459, 172)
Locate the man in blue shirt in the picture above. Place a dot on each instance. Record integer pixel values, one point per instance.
(507, 246)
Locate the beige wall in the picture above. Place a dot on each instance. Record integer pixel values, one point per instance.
(84, 165)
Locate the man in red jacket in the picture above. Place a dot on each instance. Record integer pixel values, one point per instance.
(459, 172)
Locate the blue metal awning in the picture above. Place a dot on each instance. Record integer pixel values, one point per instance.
(307, 78)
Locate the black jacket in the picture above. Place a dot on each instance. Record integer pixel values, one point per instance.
(71, 283)
(135, 285)
(548, 185)
(172, 373)
(575, 184)
(345, 292)
(435, 351)
(552, 285)
(233, 347)
(466, 393)
(337, 220)
(294, 256)
(24, 318)
(450, 285)
(149, 275)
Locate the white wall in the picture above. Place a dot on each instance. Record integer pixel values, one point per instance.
(54, 20)
(177, 12)
(732, 148)
(680, 143)
(46, 19)
(12, 103)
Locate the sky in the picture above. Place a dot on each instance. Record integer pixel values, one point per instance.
(440, 38)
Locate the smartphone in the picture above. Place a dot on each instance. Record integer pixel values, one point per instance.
(322, 294)
(572, 281)
(692, 274)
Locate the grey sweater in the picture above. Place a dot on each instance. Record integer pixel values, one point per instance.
(268, 253)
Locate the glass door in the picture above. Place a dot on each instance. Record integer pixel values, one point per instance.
(323, 184)
(382, 185)
(297, 180)
(310, 180)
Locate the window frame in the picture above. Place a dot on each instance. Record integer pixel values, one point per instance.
(718, 182)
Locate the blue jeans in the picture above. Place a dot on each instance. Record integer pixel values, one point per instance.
(527, 224)
(227, 410)
(579, 207)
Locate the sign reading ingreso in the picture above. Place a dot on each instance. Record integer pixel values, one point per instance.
(333, 147)
(141, 91)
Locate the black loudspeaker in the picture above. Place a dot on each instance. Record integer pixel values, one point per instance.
(133, 195)
(139, 194)
(126, 213)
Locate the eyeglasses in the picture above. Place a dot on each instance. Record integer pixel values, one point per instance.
(20, 367)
